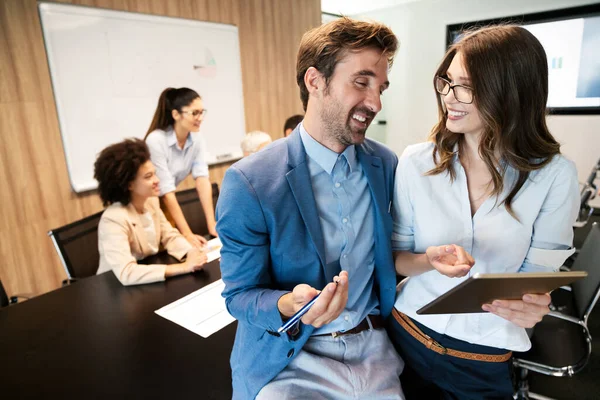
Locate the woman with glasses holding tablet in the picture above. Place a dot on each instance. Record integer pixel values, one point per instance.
(489, 193)
(178, 150)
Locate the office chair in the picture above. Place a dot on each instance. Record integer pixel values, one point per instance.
(561, 342)
(77, 247)
(192, 209)
(5, 300)
(587, 193)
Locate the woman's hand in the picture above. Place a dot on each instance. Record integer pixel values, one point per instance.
(212, 229)
(195, 240)
(450, 260)
(195, 260)
(524, 313)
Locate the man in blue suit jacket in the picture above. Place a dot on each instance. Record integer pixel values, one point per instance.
(308, 211)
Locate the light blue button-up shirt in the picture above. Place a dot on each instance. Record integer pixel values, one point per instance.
(432, 211)
(347, 221)
(174, 164)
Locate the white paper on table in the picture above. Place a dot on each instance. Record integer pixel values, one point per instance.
(202, 312)
(213, 249)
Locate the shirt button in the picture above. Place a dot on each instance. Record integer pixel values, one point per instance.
(346, 318)
(337, 184)
(290, 353)
(345, 256)
(344, 220)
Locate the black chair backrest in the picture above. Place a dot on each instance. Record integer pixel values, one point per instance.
(586, 290)
(77, 246)
(192, 209)
(3, 296)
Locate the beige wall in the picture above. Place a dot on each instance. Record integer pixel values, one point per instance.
(36, 195)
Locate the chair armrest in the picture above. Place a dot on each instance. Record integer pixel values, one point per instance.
(581, 224)
(568, 370)
(559, 315)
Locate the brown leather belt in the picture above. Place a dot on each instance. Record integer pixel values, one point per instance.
(376, 323)
(431, 344)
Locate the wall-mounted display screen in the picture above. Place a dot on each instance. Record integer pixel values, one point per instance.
(571, 38)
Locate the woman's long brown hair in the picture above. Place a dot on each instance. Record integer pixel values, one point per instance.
(508, 69)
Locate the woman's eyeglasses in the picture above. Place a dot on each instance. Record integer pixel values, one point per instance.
(462, 93)
(195, 113)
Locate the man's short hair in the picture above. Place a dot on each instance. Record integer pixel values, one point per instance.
(292, 122)
(254, 141)
(324, 46)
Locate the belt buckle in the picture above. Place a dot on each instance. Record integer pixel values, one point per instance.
(432, 343)
(442, 348)
(352, 330)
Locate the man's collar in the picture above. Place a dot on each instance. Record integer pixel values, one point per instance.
(326, 158)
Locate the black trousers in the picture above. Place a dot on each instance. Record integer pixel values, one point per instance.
(429, 375)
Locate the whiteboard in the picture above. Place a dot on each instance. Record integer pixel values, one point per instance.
(109, 67)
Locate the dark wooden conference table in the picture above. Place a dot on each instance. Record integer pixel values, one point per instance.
(97, 339)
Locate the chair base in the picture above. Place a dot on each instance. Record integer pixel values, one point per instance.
(532, 396)
(523, 392)
(536, 396)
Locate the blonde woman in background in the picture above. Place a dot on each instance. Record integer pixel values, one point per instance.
(254, 141)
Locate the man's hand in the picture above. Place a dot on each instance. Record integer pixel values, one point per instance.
(524, 313)
(328, 306)
(450, 260)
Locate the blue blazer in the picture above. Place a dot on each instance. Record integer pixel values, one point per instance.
(272, 241)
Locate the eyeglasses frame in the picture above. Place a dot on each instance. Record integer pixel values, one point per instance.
(202, 113)
(451, 87)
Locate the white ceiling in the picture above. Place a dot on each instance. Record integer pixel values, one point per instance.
(354, 7)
